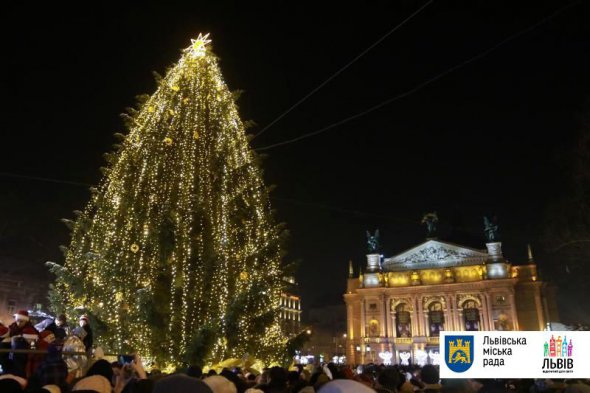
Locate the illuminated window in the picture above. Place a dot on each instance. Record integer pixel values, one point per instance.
(471, 315)
(374, 328)
(403, 324)
(436, 318)
(11, 306)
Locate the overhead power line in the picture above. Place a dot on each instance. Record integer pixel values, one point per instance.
(342, 69)
(44, 179)
(399, 220)
(421, 85)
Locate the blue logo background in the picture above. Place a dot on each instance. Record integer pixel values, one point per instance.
(461, 357)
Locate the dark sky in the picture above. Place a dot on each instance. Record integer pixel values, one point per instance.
(484, 139)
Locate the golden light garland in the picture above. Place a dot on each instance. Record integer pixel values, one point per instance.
(185, 185)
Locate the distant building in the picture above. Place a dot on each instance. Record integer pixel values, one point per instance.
(328, 333)
(400, 304)
(291, 307)
(22, 287)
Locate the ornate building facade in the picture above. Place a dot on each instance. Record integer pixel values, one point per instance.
(397, 308)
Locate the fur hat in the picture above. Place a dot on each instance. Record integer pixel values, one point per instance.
(101, 367)
(52, 388)
(220, 384)
(98, 383)
(20, 380)
(10, 385)
(22, 315)
(345, 386)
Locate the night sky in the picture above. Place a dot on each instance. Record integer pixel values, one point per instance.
(487, 138)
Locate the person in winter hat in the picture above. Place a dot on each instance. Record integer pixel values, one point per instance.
(97, 383)
(345, 386)
(180, 383)
(101, 367)
(86, 338)
(220, 384)
(22, 335)
(58, 326)
(22, 327)
(10, 385)
(388, 380)
(52, 371)
(21, 383)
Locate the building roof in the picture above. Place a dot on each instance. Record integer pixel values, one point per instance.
(434, 254)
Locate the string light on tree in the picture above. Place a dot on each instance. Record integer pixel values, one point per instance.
(184, 193)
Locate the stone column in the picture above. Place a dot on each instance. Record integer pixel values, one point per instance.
(483, 315)
(394, 326)
(420, 320)
(363, 352)
(347, 350)
(447, 324)
(490, 312)
(452, 311)
(383, 328)
(483, 323)
(515, 316)
(415, 318)
(426, 324)
(390, 326)
(349, 316)
(461, 321)
(539, 304)
(363, 322)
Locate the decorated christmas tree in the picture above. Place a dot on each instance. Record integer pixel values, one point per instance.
(177, 255)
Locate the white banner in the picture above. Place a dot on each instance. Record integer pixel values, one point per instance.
(518, 354)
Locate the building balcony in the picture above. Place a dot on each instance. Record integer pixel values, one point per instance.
(403, 340)
(433, 340)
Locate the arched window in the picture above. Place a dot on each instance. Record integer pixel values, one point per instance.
(374, 328)
(403, 322)
(436, 319)
(471, 315)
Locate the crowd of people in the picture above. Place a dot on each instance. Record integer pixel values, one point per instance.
(48, 372)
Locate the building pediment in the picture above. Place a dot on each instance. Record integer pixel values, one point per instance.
(434, 254)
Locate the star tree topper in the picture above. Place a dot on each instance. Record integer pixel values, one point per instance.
(199, 46)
